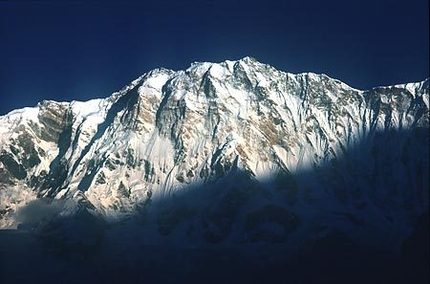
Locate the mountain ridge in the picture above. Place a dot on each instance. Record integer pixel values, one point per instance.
(241, 128)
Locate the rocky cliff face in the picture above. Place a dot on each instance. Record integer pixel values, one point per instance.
(245, 152)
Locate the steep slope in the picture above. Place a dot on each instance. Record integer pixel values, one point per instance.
(259, 147)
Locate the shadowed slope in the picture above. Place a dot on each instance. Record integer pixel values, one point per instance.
(239, 229)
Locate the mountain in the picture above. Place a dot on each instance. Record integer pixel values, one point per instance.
(221, 153)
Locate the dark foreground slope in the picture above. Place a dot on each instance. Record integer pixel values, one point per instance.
(335, 259)
(248, 233)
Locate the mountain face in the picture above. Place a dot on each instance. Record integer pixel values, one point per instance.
(225, 152)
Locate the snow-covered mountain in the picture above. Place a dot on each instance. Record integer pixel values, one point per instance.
(235, 151)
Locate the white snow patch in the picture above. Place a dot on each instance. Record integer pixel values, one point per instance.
(218, 71)
(178, 95)
(153, 85)
(27, 113)
(86, 108)
(230, 65)
(262, 82)
(426, 99)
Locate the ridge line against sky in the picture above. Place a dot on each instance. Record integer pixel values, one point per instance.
(78, 50)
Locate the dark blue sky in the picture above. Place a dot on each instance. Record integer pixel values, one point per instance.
(75, 50)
